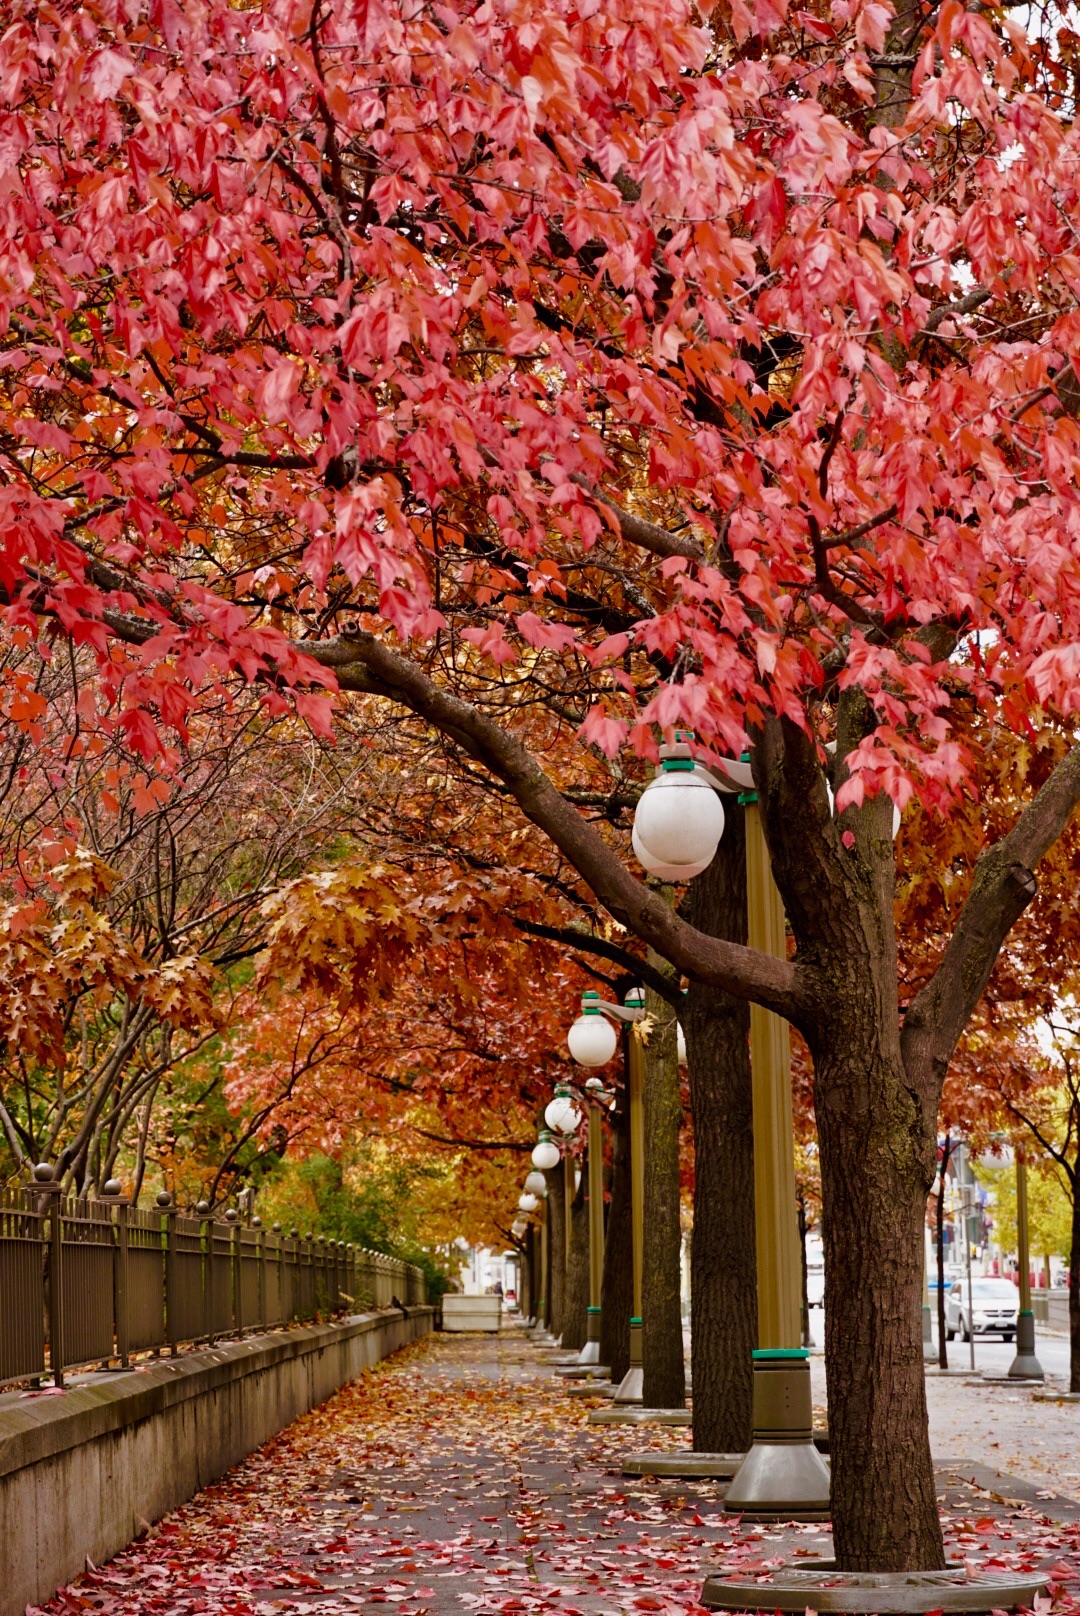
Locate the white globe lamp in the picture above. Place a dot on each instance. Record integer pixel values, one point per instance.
(679, 820)
(561, 1114)
(534, 1184)
(998, 1154)
(527, 1202)
(662, 871)
(680, 1043)
(592, 1040)
(546, 1153)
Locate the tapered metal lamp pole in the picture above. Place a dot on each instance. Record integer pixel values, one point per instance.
(1025, 1366)
(591, 1351)
(542, 1305)
(592, 1042)
(630, 1389)
(783, 1472)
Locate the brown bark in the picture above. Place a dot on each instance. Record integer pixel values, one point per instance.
(876, 1130)
(872, 1149)
(576, 1319)
(527, 1299)
(663, 1356)
(617, 1287)
(556, 1216)
(723, 1267)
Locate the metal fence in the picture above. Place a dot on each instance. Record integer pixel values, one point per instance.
(87, 1282)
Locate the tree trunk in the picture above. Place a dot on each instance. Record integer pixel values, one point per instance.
(617, 1287)
(664, 1360)
(1074, 1288)
(556, 1216)
(873, 1146)
(723, 1265)
(875, 1100)
(528, 1269)
(575, 1326)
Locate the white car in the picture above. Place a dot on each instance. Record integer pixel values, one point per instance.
(990, 1310)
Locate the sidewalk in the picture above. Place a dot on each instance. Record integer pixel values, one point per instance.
(457, 1479)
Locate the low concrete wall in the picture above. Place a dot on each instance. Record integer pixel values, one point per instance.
(83, 1472)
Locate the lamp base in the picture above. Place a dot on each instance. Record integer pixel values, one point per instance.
(783, 1477)
(819, 1586)
(929, 1351)
(630, 1387)
(1025, 1366)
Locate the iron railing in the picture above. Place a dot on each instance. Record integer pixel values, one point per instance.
(88, 1282)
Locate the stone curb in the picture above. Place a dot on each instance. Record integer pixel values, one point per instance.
(34, 1428)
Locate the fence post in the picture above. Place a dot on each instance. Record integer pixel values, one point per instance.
(49, 1191)
(280, 1259)
(256, 1223)
(232, 1218)
(164, 1201)
(112, 1193)
(203, 1212)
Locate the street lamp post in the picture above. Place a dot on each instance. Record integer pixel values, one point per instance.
(563, 1117)
(542, 1305)
(592, 1042)
(1025, 1364)
(532, 1199)
(632, 1385)
(590, 1352)
(676, 839)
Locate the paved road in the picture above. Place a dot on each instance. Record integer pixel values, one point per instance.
(457, 1479)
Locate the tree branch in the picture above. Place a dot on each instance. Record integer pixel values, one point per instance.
(1003, 887)
(630, 963)
(374, 667)
(637, 530)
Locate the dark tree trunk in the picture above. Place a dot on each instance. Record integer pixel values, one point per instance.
(617, 1288)
(663, 1355)
(943, 1347)
(723, 1267)
(575, 1325)
(528, 1283)
(1074, 1288)
(875, 1100)
(556, 1216)
(885, 1512)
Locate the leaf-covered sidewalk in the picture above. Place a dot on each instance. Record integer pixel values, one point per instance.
(457, 1478)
